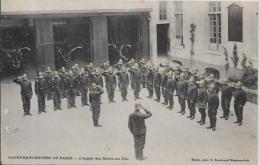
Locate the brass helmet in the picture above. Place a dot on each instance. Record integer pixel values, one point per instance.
(97, 71)
(82, 70)
(110, 69)
(94, 85)
(63, 69)
(238, 84)
(136, 65)
(191, 80)
(70, 72)
(170, 73)
(182, 76)
(56, 74)
(202, 83)
(24, 77)
(120, 61)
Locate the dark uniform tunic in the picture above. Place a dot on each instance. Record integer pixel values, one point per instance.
(164, 81)
(136, 125)
(111, 83)
(97, 79)
(71, 91)
(94, 100)
(143, 75)
(192, 98)
(149, 82)
(41, 91)
(48, 77)
(157, 85)
(239, 102)
(202, 101)
(26, 94)
(213, 104)
(123, 82)
(84, 86)
(226, 97)
(56, 85)
(63, 84)
(182, 94)
(170, 87)
(136, 80)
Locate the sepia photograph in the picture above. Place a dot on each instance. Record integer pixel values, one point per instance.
(129, 82)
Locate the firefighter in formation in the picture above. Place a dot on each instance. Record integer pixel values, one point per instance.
(193, 91)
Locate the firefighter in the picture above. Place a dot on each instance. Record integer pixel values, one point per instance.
(84, 86)
(48, 76)
(56, 86)
(26, 92)
(202, 101)
(213, 103)
(149, 81)
(226, 96)
(192, 97)
(94, 100)
(163, 84)
(182, 93)
(157, 84)
(136, 79)
(63, 74)
(170, 87)
(110, 79)
(239, 103)
(71, 90)
(41, 88)
(136, 125)
(123, 82)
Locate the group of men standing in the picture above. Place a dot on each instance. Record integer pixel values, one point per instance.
(196, 90)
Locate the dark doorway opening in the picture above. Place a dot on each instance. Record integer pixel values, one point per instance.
(213, 71)
(17, 48)
(72, 42)
(163, 41)
(123, 38)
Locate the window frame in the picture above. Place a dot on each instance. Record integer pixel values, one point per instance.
(163, 10)
(215, 25)
(178, 17)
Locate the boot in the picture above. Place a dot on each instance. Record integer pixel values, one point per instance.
(240, 123)
(226, 118)
(192, 117)
(189, 116)
(137, 154)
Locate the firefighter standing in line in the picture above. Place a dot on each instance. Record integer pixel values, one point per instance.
(202, 101)
(213, 104)
(182, 93)
(239, 103)
(84, 86)
(41, 91)
(192, 97)
(110, 79)
(56, 86)
(157, 84)
(123, 83)
(226, 96)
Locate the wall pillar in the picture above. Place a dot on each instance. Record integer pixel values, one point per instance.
(99, 39)
(44, 42)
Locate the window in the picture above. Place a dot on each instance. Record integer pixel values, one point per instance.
(163, 10)
(178, 23)
(235, 23)
(214, 25)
